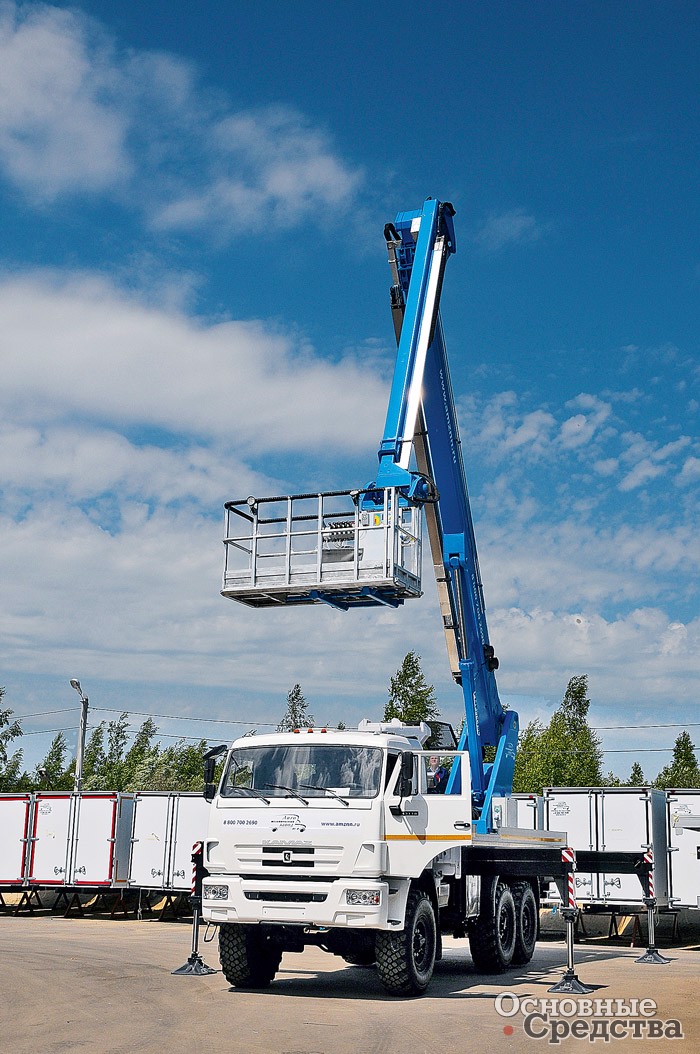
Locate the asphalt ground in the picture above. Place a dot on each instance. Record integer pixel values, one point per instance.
(74, 985)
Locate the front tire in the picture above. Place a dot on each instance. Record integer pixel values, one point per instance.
(406, 959)
(248, 957)
(492, 936)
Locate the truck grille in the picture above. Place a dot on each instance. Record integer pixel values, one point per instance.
(322, 860)
(298, 856)
(287, 898)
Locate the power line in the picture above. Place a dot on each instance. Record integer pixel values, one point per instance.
(171, 717)
(45, 713)
(45, 731)
(670, 724)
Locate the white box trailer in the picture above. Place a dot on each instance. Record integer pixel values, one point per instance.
(80, 839)
(166, 826)
(684, 847)
(622, 819)
(15, 818)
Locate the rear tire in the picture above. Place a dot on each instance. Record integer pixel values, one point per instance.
(492, 936)
(406, 959)
(249, 959)
(526, 922)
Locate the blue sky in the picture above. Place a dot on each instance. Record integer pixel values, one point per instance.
(194, 296)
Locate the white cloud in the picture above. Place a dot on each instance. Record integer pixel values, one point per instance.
(59, 131)
(82, 347)
(580, 429)
(644, 471)
(84, 464)
(78, 115)
(542, 647)
(690, 472)
(508, 228)
(288, 168)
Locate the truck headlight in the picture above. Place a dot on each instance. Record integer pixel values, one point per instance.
(215, 892)
(363, 898)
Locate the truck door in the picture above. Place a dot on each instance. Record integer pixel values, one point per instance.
(419, 826)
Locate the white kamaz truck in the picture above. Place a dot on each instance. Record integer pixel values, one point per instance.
(338, 838)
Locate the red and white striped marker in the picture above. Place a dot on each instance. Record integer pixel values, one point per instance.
(196, 850)
(568, 856)
(649, 859)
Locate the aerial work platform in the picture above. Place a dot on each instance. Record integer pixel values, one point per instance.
(342, 548)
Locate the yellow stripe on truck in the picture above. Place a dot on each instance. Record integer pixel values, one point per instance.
(428, 837)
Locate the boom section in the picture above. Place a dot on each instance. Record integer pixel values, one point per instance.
(422, 419)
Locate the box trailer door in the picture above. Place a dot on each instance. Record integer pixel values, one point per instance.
(632, 820)
(684, 856)
(624, 824)
(574, 812)
(14, 832)
(191, 819)
(94, 841)
(51, 840)
(150, 849)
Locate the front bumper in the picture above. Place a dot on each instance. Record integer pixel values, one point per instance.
(297, 903)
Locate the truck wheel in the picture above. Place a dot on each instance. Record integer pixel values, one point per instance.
(248, 958)
(526, 922)
(492, 936)
(406, 959)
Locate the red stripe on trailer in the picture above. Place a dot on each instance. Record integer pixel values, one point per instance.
(112, 841)
(568, 856)
(35, 820)
(20, 878)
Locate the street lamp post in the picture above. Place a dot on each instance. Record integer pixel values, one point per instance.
(78, 781)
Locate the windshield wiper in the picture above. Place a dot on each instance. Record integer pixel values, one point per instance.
(327, 790)
(290, 792)
(254, 792)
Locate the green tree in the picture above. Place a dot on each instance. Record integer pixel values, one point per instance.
(11, 775)
(636, 776)
(529, 776)
(683, 770)
(139, 752)
(53, 773)
(177, 767)
(297, 713)
(411, 698)
(567, 753)
(94, 757)
(103, 765)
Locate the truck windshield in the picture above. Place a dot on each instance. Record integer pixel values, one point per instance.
(312, 770)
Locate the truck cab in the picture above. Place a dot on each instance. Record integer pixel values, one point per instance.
(320, 837)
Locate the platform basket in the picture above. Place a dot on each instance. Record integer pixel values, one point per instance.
(343, 548)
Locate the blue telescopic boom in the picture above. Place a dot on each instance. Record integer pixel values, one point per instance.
(422, 421)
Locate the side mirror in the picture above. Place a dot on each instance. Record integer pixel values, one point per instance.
(210, 759)
(406, 781)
